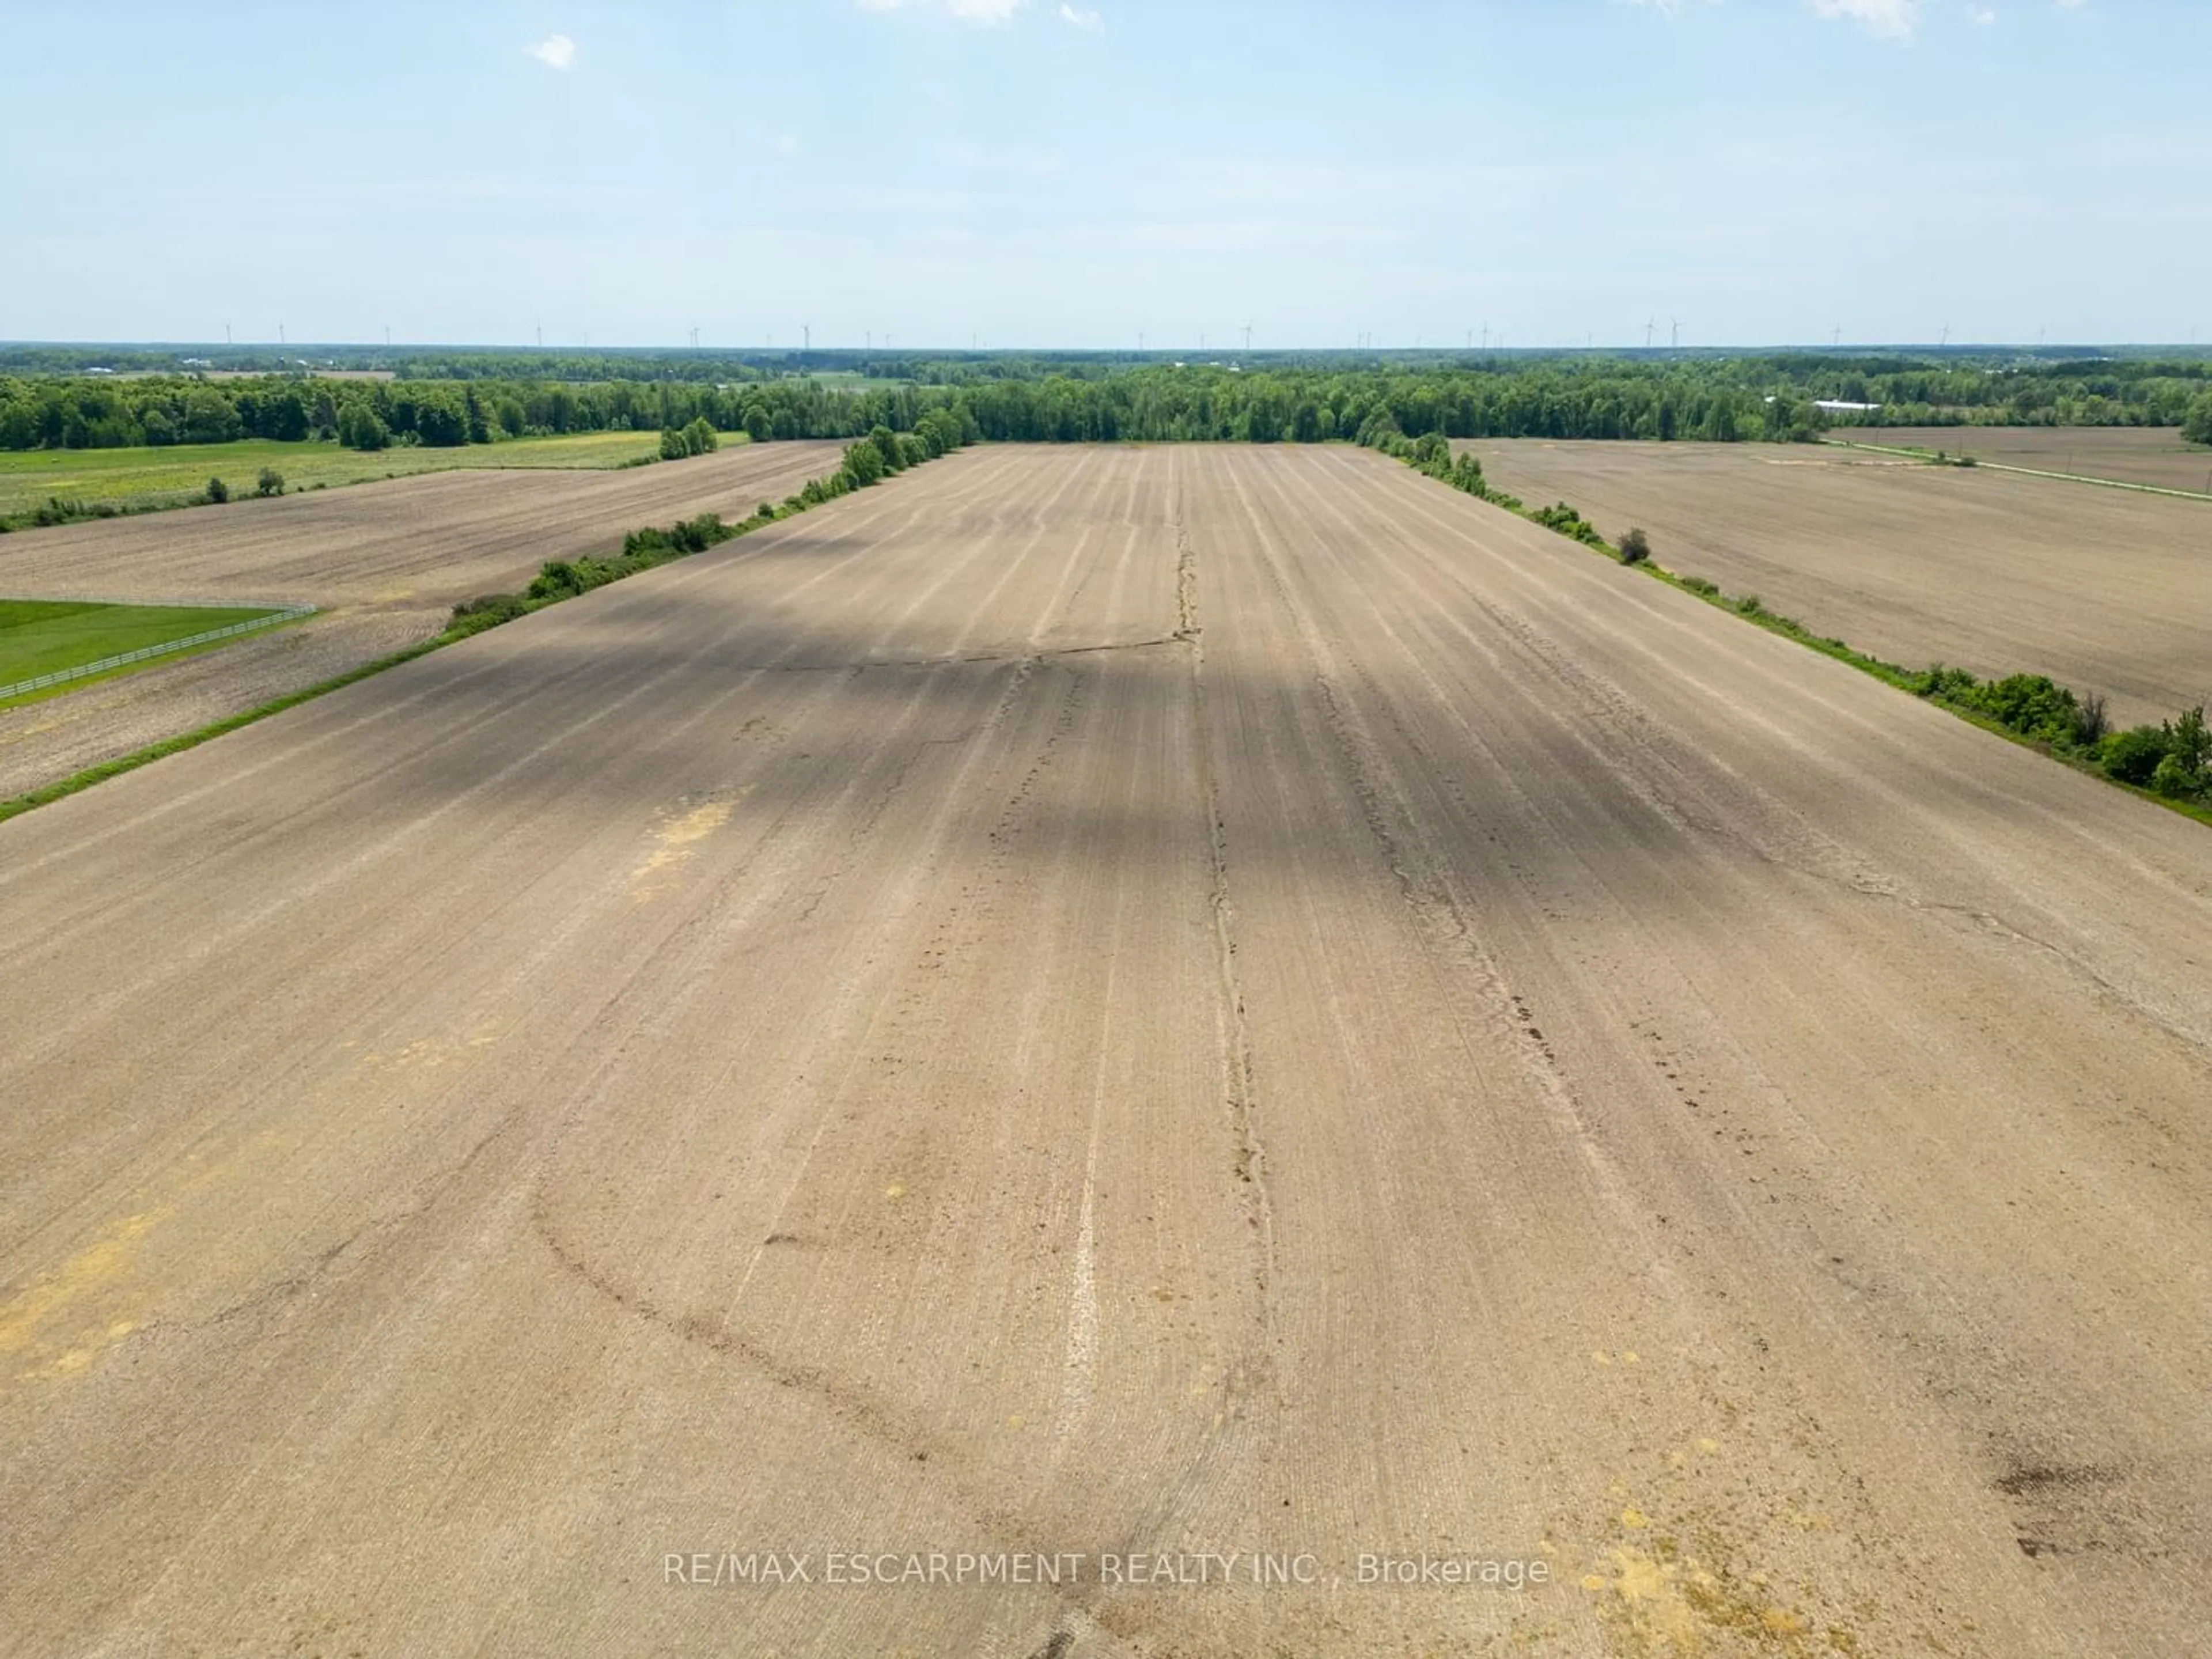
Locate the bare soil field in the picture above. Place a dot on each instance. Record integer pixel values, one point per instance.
(2104, 590)
(2152, 455)
(386, 561)
(432, 539)
(1094, 1006)
(172, 477)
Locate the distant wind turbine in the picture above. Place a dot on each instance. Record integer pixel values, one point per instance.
(1675, 342)
(1647, 327)
(1248, 338)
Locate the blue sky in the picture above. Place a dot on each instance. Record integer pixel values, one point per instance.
(1074, 172)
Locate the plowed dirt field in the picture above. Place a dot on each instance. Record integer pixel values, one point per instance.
(2104, 590)
(387, 562)
(1109, 1014)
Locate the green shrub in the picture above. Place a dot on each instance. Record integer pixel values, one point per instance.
(864, 463)
(2034, 705)
(1634, 547)
(1938, 681)
(270, 482)
(2187, 739)
(2176, 781)
(560, 578)
(488, 611)
(55, 510)
(217, 491)
(697, 535)
(1750, 605)
(1567, 522)
(1699, 586)
(2133, 754)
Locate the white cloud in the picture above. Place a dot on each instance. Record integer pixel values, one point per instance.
(1889, 20)
(1089, 21)
(970, 11)
(1982, 15)
(555, 52)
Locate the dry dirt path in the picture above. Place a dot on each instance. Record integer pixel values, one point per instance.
(2105, 590)
(1091, 1002)
(386, 563)
(2151, 455)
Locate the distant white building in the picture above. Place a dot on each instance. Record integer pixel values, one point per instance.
(1837, 406)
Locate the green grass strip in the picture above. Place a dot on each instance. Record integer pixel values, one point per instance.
(41, 637)
(176, 745)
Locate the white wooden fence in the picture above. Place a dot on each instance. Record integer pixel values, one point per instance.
(62, 676)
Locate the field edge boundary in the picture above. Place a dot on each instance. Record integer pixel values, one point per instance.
(859, 474)
(1979, 465)
(273, 618)
(1747, 608)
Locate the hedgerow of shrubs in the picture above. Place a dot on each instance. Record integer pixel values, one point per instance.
(1568, 522)
(2173, 759)
(874, 457)
(2170, 759)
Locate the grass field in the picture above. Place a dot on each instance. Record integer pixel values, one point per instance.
(141, 478)
(43, 637)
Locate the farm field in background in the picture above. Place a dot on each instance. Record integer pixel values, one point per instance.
(385, 561)
(174, 474)
(2125, 454)
(2104, 590)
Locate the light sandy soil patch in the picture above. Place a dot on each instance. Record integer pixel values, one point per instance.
(387, 562)
(2104, 590)
(2152, 455)
(1083, 1003)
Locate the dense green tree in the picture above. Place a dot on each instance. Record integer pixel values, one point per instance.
(360, 426)
(211, 418)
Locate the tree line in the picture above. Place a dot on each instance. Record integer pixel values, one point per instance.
(1723, 400)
